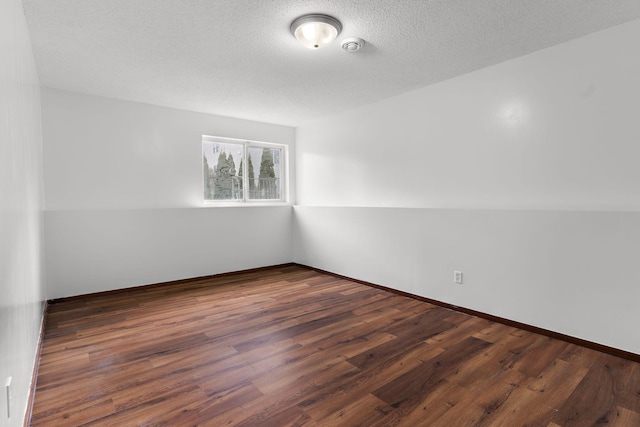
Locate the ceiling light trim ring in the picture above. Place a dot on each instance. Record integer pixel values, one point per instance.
(318, 38)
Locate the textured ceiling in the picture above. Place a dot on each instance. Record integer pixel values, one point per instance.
(237, 58)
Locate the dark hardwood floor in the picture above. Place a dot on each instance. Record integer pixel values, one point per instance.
(292, 346)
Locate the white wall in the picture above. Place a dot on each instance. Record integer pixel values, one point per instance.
(523, 175)
(123, 186)
(566, 271)
(98, 250)
(21, 265)
(103, 153)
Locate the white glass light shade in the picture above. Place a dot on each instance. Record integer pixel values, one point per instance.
(315, 31)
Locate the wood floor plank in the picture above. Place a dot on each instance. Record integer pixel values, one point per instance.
(365, 411)
(321, 403)
(461, 330)
(540, 355)
(536, 401)
(78, 415)
(594, 400)
(410, 332)
(474, 409)
(292, 346)
(443, 397)
(405, 391)
(623, 417)
(291, 416)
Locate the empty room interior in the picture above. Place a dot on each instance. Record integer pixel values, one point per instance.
(320, 212)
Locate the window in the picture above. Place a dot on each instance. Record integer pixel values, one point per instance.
(243, 171)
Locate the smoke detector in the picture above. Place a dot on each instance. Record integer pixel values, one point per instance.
(352, 44)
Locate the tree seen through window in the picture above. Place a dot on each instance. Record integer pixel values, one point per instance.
(226, 177)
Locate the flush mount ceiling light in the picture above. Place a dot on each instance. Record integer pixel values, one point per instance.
(315, 31)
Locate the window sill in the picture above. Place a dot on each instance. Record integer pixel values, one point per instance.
(243, 204)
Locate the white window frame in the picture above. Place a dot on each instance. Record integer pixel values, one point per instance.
(246, 143)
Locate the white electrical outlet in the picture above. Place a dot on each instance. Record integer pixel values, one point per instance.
(7, 386)
(457, 277)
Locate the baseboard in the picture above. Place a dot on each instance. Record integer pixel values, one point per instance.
(546, 332)
(170, 283)
(36, 366)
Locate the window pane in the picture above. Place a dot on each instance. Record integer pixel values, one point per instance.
(264, 172)
(222, 163)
